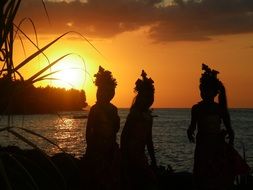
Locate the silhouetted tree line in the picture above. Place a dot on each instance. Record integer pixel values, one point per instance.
(18, 97)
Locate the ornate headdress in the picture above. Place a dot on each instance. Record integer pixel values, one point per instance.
(144, 85)
(209, 78)
(104, 78)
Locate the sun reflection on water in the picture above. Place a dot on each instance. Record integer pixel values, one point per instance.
(69, 135)
(169, 136)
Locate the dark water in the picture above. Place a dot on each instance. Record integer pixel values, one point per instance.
(169, 134)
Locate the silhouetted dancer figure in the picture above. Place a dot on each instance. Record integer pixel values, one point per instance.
(136, 135)
(102, 126)
(213, 159)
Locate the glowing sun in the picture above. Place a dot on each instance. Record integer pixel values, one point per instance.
(70, 73)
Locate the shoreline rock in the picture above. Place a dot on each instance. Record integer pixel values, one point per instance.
(33, 169)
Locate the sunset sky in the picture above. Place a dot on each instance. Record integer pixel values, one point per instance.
(169, 39)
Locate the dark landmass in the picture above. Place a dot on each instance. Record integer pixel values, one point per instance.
(18, 97)
(33, 169)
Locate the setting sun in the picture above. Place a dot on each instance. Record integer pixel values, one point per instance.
(170, 52)
(70, 73)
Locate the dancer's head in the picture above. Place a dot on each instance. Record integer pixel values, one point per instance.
(209, 83)
(145, 92)
(106, 85)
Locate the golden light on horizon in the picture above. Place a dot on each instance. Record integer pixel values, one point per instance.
(169, 65)
(168, 49)
(76, 70)
(70, 73)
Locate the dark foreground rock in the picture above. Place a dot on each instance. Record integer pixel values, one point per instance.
(32, 169)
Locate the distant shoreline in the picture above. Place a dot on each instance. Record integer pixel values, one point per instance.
(87, 110)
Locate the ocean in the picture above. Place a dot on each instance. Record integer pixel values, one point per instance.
(169, 134)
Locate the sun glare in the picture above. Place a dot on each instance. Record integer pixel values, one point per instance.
(70, 73)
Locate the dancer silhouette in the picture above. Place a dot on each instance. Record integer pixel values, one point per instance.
(136, 135)
(102, 126)
(212, 169)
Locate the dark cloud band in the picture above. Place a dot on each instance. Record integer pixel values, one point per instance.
(191, 20)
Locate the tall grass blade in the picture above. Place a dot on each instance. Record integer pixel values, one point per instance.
(10, 13)
(15, 10)
(19, 74)
(34, 28)
(7, 22)
(88, 41)
(3, 54)
(33, 183)
(23, 139)
(41, 136)
(44, 76)
(22, 44)
(45, 8)
(36, 53)
(4, 176)
(45, 68)
(4, 129)
(61, 118)
(27, 37)
(42, 152)
(50, 44)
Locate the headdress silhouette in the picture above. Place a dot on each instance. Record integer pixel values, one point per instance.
(209, 78)
(104, 78)
(144, 85)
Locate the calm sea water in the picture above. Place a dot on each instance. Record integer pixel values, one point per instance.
(169, 134)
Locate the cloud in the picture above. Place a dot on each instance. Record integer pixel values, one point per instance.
(200, 20)
(192, 20)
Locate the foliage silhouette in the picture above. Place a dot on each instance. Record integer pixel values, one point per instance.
(20, 169)
(18, 98)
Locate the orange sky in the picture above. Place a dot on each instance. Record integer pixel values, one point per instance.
(171, 57)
